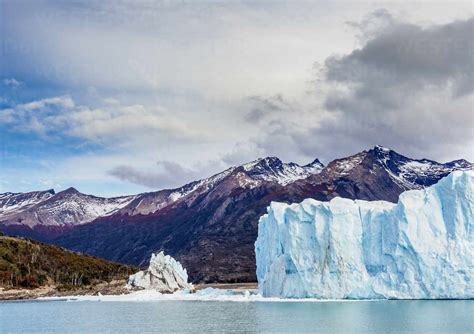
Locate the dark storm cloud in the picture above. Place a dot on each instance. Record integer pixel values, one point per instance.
(406, 54)
(408, 87)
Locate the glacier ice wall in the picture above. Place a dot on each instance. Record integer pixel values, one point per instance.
(421, 247)
(164, 274)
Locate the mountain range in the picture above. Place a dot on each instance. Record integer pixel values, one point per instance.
(209, 225)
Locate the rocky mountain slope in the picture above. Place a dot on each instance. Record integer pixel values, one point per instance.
(210, 225)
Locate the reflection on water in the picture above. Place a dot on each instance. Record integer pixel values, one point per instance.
(196, 316)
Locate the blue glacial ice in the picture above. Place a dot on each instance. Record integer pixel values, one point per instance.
(421, 247)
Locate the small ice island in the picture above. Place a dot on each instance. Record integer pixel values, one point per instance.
(164, 274)
(420, 248)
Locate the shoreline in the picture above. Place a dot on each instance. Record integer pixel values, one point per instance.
(116, 287)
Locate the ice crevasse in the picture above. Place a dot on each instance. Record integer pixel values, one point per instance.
(421, 247)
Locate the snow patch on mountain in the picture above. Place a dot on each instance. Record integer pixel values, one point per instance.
(78, 208)
(251, 175)
(202, 185)
(416, 174)
(274, 170)
(342, 167)
(11, 202)
(422, 247)
(68, 207)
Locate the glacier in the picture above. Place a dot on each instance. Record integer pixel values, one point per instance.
(164, 274)
(420, 248)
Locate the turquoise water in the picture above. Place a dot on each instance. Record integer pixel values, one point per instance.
(202, 317)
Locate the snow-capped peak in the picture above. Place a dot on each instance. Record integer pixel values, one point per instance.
(407, 173)
(270, 169)
(11, 202)
(193, 186)
(381, 148)
(68, 207)
(70, 190)
(415, 173)
(342, 167)
(273, 169)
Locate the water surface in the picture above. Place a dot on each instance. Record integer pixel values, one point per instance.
(218, 316)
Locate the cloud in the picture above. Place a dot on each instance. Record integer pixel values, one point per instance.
(408, 87)
(111, 124)
(372, 24)
(125, 123)
(263, 107)
(33, 116)
(408, 56)
(12, 82)
(64, 102)
(213, 50)
(242, 152)
(168, 174)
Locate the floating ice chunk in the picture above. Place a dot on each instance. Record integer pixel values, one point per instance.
(207, 294)
(164, 274)
(422, 247)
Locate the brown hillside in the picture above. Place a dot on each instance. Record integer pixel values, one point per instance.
(27, 263)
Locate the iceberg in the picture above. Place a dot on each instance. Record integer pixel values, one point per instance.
(420, 248)
(164, 274)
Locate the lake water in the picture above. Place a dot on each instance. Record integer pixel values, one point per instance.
(223, 316)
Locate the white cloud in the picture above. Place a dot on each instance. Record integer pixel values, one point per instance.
(125, 123)
(12, 82)
(32, 116)
(110, 124)
(64, 102)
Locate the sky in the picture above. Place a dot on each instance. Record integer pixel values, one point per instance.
(120, 97)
